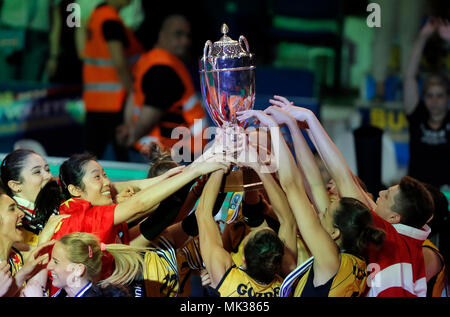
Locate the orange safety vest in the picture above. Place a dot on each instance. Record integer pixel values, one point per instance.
(102, 91)
(189, 106)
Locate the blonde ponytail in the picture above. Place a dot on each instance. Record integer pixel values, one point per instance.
(128, 261)
(85, 248)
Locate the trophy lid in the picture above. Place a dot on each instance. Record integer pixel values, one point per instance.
(227, 49)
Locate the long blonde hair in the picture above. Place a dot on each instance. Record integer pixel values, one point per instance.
(85, 248)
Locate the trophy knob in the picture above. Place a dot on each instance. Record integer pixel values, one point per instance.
(224, 29)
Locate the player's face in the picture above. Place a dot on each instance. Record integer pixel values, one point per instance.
(436, 100)
(96, 185)
(10, 220)
(35, 174)
(386, 202)
(61, 268)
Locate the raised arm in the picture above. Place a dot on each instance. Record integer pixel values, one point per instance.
(319, 242)
(280, 205)
(217, 259)
(410, 86)
(330, 154)
(305, 158)
(140, 184)
(142, 202)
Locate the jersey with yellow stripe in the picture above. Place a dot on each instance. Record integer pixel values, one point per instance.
(237, 283)
(189, 263)
(349, 281)
(15, 261)
(160, 270)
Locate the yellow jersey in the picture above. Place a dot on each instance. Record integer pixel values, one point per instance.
(349, 281)
(237, 283)
(161, 270)
(189, 263)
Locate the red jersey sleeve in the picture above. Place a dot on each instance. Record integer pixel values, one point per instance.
(98, 220)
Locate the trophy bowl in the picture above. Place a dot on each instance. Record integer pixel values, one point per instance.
(227, 75)
(227, 78)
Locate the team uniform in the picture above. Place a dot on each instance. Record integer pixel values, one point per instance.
(189, 263)
(398, 265)
(161, 270)
(15, 261)
(237, 283)
(349, 281)
(437, 285)
(98, 220)
(82, 293)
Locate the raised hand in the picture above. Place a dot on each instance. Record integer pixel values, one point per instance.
(36, 261)
(224, 147)
(50, 227)
(205, 168)
(125, 194)
(280, 115)
(264, 119)
(299, 113)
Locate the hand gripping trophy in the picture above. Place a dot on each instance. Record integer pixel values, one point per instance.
(227, 75)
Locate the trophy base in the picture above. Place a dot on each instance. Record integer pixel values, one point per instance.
(243, 179)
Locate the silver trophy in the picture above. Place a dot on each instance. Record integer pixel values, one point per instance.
(227, 75)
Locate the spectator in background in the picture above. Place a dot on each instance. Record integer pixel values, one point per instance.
(401, 18)
(132, 16)
(164, 92)
(428, 116)
(110, 51)
(33, 29)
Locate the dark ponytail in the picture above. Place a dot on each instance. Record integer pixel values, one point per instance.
(160, 161)
(354, 220)
(47, 202)
(11, 167)
(369, 235)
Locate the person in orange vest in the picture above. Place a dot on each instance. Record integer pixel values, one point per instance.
(110, 52)
(165, 97)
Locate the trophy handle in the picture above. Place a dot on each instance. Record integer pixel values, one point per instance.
(206, 52)
(243, 39)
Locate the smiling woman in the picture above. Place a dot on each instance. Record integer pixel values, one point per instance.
(24, 173)
(84, 193)
(10, 223)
